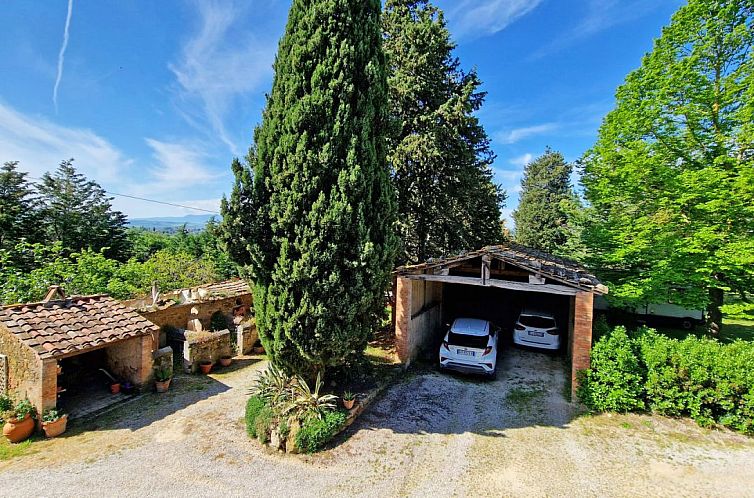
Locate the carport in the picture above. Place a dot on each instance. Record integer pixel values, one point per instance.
(494, 283)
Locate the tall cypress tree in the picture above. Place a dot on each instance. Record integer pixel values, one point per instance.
(439, 152)
(541, 217)
(322, 243)
(237, 215)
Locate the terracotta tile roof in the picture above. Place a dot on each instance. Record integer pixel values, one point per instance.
(229, 288)
(59, 328)
(533, 260)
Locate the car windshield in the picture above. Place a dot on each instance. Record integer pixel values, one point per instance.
(539, 322)
(467, 341)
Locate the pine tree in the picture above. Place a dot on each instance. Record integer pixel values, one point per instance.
(671, 178)
(439, 152)
(18, 208)
(78, 213)
(541, 218)
(321, 241)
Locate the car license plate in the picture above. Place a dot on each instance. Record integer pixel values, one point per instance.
(536, 334)
(465, 352)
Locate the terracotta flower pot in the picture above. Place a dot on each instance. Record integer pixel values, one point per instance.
(115, 388)
(18, 430)
(56, 428)
(162, 386)
(205, 367)
(348, 403)
(226, 361)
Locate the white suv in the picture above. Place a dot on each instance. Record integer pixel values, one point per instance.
(470, 346)
(537, 329)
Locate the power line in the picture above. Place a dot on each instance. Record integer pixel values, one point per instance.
(165, 203)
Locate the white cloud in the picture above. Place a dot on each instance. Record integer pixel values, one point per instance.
(600, 16)
(517, 134)
(40, 145)
(219, 64)
(178, 165)
(61, 55)
(175, 170)
(475, 18)
(522, 160)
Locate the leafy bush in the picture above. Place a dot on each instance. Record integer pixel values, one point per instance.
(699, 378)
(51, 415)
(264, 422)
(218, 321)
(315, 433)
(615, 381)
(24, 408)
(5, 403)
(253, 407)
(163, 373)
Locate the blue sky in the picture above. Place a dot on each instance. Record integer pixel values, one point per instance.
(155, 98)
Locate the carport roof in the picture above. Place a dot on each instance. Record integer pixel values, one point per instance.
(57, 328)
(537, 262)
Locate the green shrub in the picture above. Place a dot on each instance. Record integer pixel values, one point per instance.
(253, 407)
(263, 424)
(5, 403)
(315, 433)
(703, 379)
(615, 380)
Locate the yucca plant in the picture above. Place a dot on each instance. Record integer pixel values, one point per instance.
(273, 386)
(307, 403)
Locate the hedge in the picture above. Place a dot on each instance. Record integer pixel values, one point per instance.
(253, 407)
(710, 382)
(316, 433)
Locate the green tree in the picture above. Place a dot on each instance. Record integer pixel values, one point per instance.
(439, 152)
(671, 178)
(322, 242)
(78, 213)
(541, 218)
(237, 213)
(18, 207)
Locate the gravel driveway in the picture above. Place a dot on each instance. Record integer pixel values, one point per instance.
(432, 434)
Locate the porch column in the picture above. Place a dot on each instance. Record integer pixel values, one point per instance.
(403, 319)
(581, 339)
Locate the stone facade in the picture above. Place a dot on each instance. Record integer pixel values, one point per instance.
(205, 346)
(3, 374)
(132, 360)
(246, 336)
(24, 368)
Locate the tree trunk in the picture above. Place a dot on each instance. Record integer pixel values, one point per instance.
(714, 314)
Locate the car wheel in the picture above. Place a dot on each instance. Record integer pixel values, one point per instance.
(687, 324)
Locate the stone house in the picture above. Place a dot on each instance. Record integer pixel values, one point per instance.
(76, 342)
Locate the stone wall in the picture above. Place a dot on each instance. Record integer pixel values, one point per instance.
(178, 315)
(246, 336)
(132, 360)
(24, 368)
(3, 374)
(205, 346)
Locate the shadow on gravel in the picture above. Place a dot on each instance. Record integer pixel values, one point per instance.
(529, 392)
(149, 407)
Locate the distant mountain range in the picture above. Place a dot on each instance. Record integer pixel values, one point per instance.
(193, 222)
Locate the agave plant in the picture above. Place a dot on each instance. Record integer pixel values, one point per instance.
(307, 403)
(274, 386)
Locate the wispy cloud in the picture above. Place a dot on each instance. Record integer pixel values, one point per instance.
(61, 55)
(179, 165)
(220, 63)
(476, 18)
(522, 160)
(517, 134)
(600, 15)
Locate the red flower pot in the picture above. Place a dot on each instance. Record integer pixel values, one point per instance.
(18, 430)
(205, 367)
(226, 361)
(162, 387)
(56, 428)
(115, 388)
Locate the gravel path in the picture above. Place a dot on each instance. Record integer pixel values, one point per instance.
(433, 434)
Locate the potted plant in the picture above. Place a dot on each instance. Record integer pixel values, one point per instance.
(162, 378)
(205, 366)
(54, 423)
(115, 387)
(348, 400)
(19, 422)
(226, 360)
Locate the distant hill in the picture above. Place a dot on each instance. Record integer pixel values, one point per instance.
(193, 222)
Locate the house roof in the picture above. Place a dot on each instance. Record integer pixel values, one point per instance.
(66, 326)
(559, 269)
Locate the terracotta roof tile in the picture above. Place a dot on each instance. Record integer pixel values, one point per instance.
(73, 325)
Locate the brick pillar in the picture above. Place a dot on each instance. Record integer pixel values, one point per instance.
(49, 393)
(146, 362)
(403, 319)
(581, 339)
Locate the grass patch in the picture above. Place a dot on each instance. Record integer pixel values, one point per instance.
(522, 398)
(9, 450)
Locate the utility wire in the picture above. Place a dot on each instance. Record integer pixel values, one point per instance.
(148, 200)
